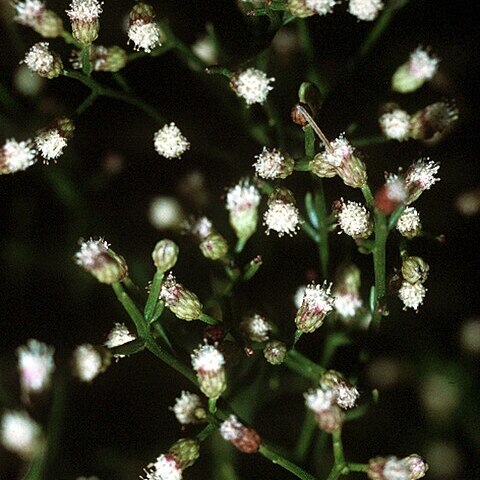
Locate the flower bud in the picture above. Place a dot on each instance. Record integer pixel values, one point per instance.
(185, 451)
(50, 25)
(320, 167)
(414, 269)
(243, 438)
(209, 363)
(299, 9)
(46, 63)
(256, 328)
(316, 304)
(275, 352)
(331, 419)
(102, 59)
(242, 202)
(432, 121)
(273, 163)
(84, 16)
(214, 246)
(392, 194)
(417, 466)
(165, 255)
(345, 393)
(182, 302)
(104, 264)
(409, 224)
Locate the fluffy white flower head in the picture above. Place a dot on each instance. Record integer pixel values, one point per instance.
(252, 85)
(91, 252)
(396, 469)
(409, 221)
(422, 65)
(169, 142)
(354, 220)
(322, 7)
(319, 400)
(201, 227)
(366, 10)
(50, 144)
(39, 58)
(342, 151)
(256, 328)
(271, 163)
(119, 335)
(318, 299)
(144, 35)
(20, 434)
(187, 407)
(422, 174)
(396, 189)
(242, 197)
(205, 49)
(207, 359)
(16, 156)
(231, 428)
(36, 365)
(165, 468)
(395, 125)
(347, 304)
(282, 217)
(84, 10)
(411, 295)
(165, 213)
(87, 362)
(29, 12)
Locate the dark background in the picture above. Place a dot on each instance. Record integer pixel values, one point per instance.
(121, 422)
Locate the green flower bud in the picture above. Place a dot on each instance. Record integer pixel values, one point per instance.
(50, 25)
(275, 352)
(186, 451)
(108, 59)
(214, 246)
(183, 303)
(299, 9)
(165, 255)
(320, 167)
(414, 270)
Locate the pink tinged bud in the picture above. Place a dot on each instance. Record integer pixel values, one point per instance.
(316, 304)
(214, 247)
(275, 352)
(419, 177)
(104, 264)
(182, 302)
(330, 420)
(417, 466)
(243, 438)
(434, 120)
(185, 451)
(209, 363)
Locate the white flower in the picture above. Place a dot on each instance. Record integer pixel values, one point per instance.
(322, 7)
(395, 469)
(252, 85)
(231, 428)
(201, 227)
(283, 217)
(29, 12)
(39, 59)
(84, 10)
(119, 335)
(20, 434)
(50, 144)
(16, 156)
(395, 125)
(395, 187)
(256, 328)
(422, 65)
(166, 213)
(36, 365)
(144, 35)
(298, 296)
(207, 359)
(367, 10)
(319, 399)
(317, 302)
(412, 295)
(354, 219)
(409, 223)
(342, 152)
(164, 468)
(421, 174)
(242, 197)
(188, 408)
(272, 163)
(205, 49)
(91, 253)
(88, 362)
(346, 304)
(169, 142)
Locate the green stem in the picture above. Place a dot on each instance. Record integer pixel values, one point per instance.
(206, 432)
(132, 310)
(338, 453)
(208, 319)
(70, 40)
(271, 454)
(321, 208)
(240, 245)
(87, 103)
(304, 366)
(379, 258)
(212, 405)
(153, 296)
(357, 467)
(392, 222)
(367, 194)
(87, 67)
(309, 427)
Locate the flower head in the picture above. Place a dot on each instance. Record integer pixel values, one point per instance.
(245, 439)
(104, 264)
(119, 335)
(409, 224)
(282, 215)
(84, 16)
(164, 468)
(166, 213)
(209, 363)
(165, 255)
(395, 125)
(256, 328)
(39, 59)
(20, 434)
(319, 399)
(422, 65)
(366, 10)
(412, 295)
(88, 362)
(28, 13)
(275, 352)
(345, 393)
(143, 31)
(321, 7)
(272, 163)
(434, 120)
(347, 304)
(36, 365)
(16, 156)
(252, 85)
(169, 142)
(354, 219)
(419, 177)
(182, 302)
(188, 408)
(316, 304)
(51, 142)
